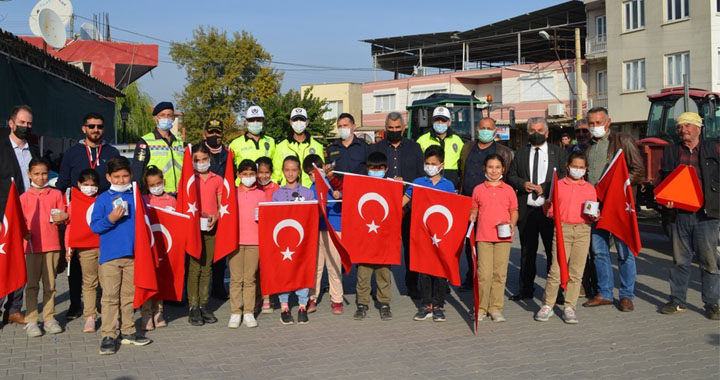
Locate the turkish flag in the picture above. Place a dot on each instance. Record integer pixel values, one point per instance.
(188, 203)
(78, 233)
(559, 239)
(437, 232)
(146, 258)
(13, 273)
(228, 224)
(618, 214)
(168, 232)
(371, 219)
(476, 290)
(323, 187)
(288, 245)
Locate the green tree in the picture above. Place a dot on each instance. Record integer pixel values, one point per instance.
(140, 120)
(277, 110)
(223, 75)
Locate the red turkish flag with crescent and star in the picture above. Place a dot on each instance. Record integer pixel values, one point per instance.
(371, 219)
(618, 215)
(146, 258)
(188, 203)
(437, 232)
(168, 231)
(288, 233)
(323, 187)
(13, 273)
(228, 224)
(78, 233)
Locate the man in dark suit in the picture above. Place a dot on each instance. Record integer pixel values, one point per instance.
(531, 173)
(15, 155)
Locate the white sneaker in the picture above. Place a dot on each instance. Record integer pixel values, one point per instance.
(497, 317)
(250, 320)
(544, 314)
(33, 330)
(569, 316)
(234, 321)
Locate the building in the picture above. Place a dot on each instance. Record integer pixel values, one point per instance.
(635, 48)
(339, 98)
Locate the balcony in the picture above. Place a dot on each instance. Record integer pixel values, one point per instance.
(597, 101)
(595, 45)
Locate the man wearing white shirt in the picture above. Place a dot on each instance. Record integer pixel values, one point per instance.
(530, 173)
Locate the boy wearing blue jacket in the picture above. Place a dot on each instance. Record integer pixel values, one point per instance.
(113, 219)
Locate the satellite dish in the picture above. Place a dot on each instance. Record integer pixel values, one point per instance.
(52, 29)
(89, 32)
(63, 8)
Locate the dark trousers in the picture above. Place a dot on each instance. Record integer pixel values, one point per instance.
(13, 302)
(218, 278)
(411, 278)
(432, 290)
(535, 223)
(590, 280)
(75, 283)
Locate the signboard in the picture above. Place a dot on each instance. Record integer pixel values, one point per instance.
(503, 132)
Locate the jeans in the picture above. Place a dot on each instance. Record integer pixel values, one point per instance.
(600, 245)
(693, 234)
(432, 290)
(303, 295)
(13, 301)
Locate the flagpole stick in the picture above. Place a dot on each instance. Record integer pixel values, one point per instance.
(389, 179)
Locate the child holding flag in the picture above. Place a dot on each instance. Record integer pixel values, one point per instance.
(573, 192)
(44, 208)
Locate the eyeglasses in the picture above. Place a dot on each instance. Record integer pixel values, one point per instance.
(93, 126)
(582, 130)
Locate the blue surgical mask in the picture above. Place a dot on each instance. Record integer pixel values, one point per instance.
(376, 173)
(165, 124)
(486, 135)
(440, 128)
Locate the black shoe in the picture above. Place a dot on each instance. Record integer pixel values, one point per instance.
(302, 316)
(385, 312)
(286, 318)
(135, 339)
(194, 317)
(465, 287)
(74, 312)
(673, 307)
(108, 346)
(438, 314)
(360, 313)
(712, 311)
(423, 313)
(520, 297)
(207, 315)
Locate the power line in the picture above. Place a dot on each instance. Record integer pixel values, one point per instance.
(127, 31)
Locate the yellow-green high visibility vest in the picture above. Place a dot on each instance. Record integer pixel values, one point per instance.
(168, 158)
(452, 145)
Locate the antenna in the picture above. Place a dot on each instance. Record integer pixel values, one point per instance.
(52, 28)
(88, 31)
(63, 8)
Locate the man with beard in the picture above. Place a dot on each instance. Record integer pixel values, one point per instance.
(91, 152)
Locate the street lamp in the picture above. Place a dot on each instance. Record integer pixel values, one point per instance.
(124, 115)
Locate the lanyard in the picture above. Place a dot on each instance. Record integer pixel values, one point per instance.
(93, 165)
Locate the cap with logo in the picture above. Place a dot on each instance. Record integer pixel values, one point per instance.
(441, 113)
(298, 113)
(254, 112)
(214, 126)
(162, 106)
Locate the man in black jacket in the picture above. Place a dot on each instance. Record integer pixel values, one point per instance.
(694, 232)
(15, 155)
(405, 163)
(531, 173)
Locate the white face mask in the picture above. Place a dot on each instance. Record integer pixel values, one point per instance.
(492, 180)
(255, 127)
(344, 133)
(157, 190)
(432, 170)
(577, 173)
(597, 132)
(121, 188)
(265, 183)
(201, 167)
(35, 185)
(89, 190)
(248, 181)
(299, 126)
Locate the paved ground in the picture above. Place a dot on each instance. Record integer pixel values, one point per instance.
(605, 344)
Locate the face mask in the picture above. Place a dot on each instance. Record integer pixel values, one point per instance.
(299, 126)
(157, 190)
(255, 127)
(440, 128)
(165, 124)
(201, 168)
(536, 139)
(486, 135)
(432, 170)
(33, 184)
(492, 180)
(376, 173)
(597, 132)
(344, 133)
(89, 190)
(394, 136)
(265, 183)
(577, 173)
(248, 181)
(214, 141)
(121, 188)
(22, 132)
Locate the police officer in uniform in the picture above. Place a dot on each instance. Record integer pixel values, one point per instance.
(298, 144)
(161, 148)
(442, 135)
(254, 144)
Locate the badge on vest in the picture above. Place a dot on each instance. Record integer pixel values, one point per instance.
(312, 150)
(455, 147)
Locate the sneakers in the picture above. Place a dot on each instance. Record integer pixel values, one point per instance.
(195, 317)
(712, 311)
(569, 316)
(249, 320)
(108, 346)
(673, 307)
(52, 327)
(159, 320)
(438, 314)
(147, 322)
(385, 312)
(234, 321)
(497, 317)
(134, 339)
(302, 316)
(89, 325)
(207, 315)
(33, 330)
(546, 311)
(286, 318)
(266, 308)
(336, 307)
(311, 306)
(423, 313)
(360, 313)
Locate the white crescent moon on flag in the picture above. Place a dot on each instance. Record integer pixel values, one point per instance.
(189, 183)
(88, 214)
(160, 228)
(373, 197)
(152, 237)
(4, 227)
(292, 223)
(227, 187)
(442, 210)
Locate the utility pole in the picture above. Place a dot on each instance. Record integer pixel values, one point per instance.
(578, 75)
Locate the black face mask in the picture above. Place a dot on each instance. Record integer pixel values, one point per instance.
(394, 136)
(22, 132)
(214, 141)
(536, 139)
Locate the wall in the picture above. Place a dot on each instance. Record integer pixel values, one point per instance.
(349, 93)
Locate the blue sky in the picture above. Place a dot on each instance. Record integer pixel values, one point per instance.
(323, 32)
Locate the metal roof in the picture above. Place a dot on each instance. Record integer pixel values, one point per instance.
(493, 44)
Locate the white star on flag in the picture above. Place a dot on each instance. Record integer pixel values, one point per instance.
(2, 248)
(435, 240)
(223, 210)
(192, 208)
(628, 207)
(287, 254)
(372, 227)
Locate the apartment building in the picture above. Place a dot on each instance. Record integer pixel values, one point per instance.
(339, 98)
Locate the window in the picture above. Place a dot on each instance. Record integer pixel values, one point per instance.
(634, 14)
(675, 66)
(601, 88)
(334, 108)
(385, 103)
(601, 28)
(677, 9)
(537, 88)
(635, 75)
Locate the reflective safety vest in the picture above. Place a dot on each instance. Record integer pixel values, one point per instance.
(452, 145)
(245, 148)
(300, 150)
(168, 158)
